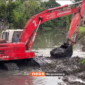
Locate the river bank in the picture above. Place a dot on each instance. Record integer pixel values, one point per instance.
(73, 69)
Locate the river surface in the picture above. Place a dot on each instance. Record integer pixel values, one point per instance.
(48, 40)
(45, 41)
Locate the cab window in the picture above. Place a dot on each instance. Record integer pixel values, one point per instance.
(5, 36)
(16, 36)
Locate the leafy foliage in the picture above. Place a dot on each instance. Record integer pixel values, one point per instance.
(17, 13)
(83, 62)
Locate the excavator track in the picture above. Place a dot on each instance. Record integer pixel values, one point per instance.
(10, 66)
(40, 60)
(30, 62)
(18, 64)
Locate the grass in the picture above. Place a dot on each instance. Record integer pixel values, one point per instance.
(82, 29)
(83, 62)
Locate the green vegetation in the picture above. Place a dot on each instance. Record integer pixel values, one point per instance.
(82, 29)
(15, 14)
(83, 62)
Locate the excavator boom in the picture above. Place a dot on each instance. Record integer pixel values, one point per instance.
(46, 15)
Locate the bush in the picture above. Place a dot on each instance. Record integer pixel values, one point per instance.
(83, 62)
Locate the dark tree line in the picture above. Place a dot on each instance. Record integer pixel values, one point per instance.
(17, 13)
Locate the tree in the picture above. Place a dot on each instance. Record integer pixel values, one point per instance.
(24, 11)
(17, 13)
(2, 2)
(9, 11)
(51, 4)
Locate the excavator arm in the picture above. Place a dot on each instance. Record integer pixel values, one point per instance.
(76, 20)
(75, 23)
(49, 14)
(33, 23)
(66, 49)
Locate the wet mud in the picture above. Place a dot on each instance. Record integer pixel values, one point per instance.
(71, 67)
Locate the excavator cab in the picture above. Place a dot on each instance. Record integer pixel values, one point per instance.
(11, 35)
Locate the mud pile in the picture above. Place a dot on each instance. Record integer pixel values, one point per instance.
(66, 65)
(69, 66)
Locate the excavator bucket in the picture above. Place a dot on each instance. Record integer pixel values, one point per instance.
(65, 50)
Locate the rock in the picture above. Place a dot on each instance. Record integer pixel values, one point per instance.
(76, 83)
(72, 80)
(69, 66)
(81, 75)
(65, 79)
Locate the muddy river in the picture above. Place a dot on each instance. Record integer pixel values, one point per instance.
(45, 41)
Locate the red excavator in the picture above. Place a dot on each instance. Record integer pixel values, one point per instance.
(22, 49)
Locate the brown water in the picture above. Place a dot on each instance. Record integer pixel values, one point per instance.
(48, 40)
(27, 80)
(44, 42)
